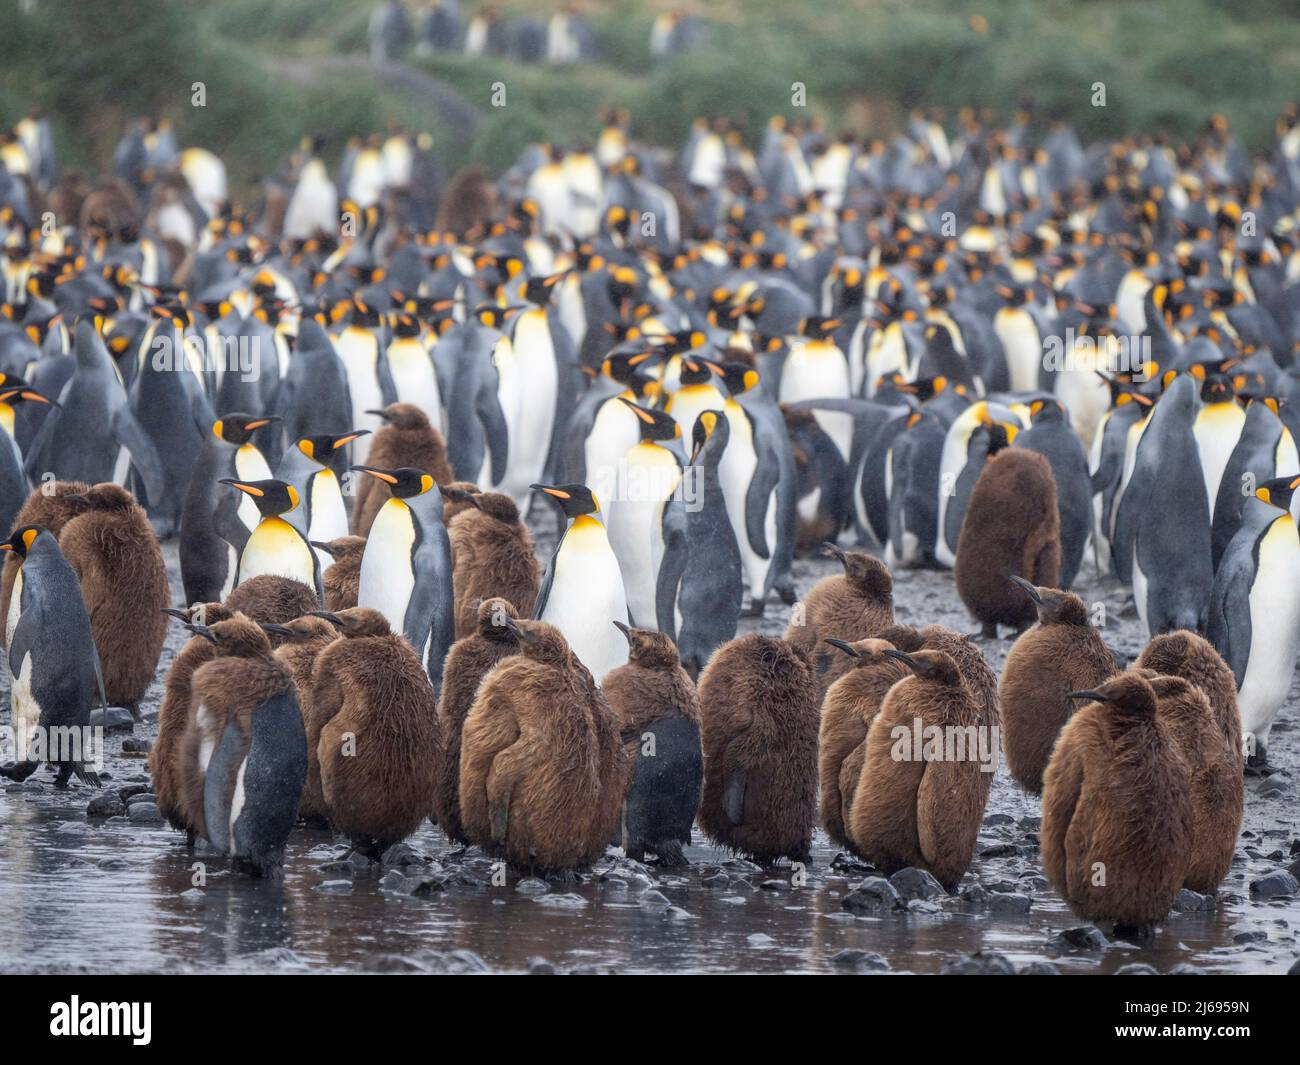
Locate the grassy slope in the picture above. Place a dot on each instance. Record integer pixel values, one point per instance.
(1166, 65)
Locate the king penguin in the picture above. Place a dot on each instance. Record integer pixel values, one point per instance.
(582, 590)
(406, 567)
(52, 661)
(279, 545)
(215, 524)
(361, 348)
(308, 467)
(1254, 612)
(1218, 427)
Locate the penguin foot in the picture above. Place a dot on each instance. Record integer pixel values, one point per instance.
(787, 594)
(670, 854)
(755, 609)
(1257, 764)
(1136, 933)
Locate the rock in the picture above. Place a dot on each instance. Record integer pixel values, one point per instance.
(144, 813)
(981, 963)
(999, 850)
(1084, 937)
(402, 856)
(133, 745)
(923, 907)
(718, 880)
(654, 900)
(1030, 824)
(1040, 968)
(561, 902)
(973, 893)
(775, 885)
(111, 865)
(873, 895)
(913, 883)
(392, 880)
(1191, 902)
(335, 887)
(1275, 884)
(540, 967)
(760, 941)
(141, 796)
(1136, 969)
(999, 819)
(1295, 968)
(423, 886)
(1271, 788)
(112, 719)
(1253, 936)
(1009, 902)
(127, 792)
(531, 885)
(106, 804)
(860, 961)
(1184, 969)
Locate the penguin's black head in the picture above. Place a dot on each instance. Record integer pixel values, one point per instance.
(818, 327)
(1127, 693)
(537, 290)
(739, 377)
(654, 424)
(21, 541)
(1042, 411)
(649, 648)
(364, 314)
(271, 496)
(923, 388)
(1278, 491)
(404, 483)
(1217, 388)
(624, 365)
(321, 448)
(574, 499)
(937, 666)
(15, 391)
(1000, 436)
(707, 425)
(404, 324)
(1013, 295)
(697, 371)
(239, 428)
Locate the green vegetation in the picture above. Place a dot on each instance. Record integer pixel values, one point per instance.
(1166, 65)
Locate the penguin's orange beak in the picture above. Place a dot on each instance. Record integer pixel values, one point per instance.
(246, 488)
(259, 423)
(383, 475)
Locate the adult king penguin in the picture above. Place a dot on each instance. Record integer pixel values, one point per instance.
(582, 589)
(308, 467)
(1255, 611)
(406, 568)
(279, 545)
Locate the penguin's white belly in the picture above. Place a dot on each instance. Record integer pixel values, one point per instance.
(24, 711)
(415, 380)
(237, 801)
(1023, 346)
(586, 598)
(313, 209)
(208, 744)
(275, 548)
(387, 574)
(818, 370)
(232, 568)
(530, 438)
(614, 431)
(807, 505)
(886, 355)
(15, 606)
(1274, 628)
(1085, 395)
(1130, 301)
(250, 466)
(360, 353)
(1140, 592)
(1216, 435)
(329, 514)
(735, 471)
(635, 529)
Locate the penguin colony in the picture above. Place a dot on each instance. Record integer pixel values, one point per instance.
(982, 349)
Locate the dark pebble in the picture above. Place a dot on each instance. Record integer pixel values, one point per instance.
(130, 791)
(1000, 850)
(1279, 882)
(144, 813)
(105, 804)
(1040, 968)
(1084, 937)
(860, 961)
(1008, 902)
(913, 883)
(1191, 902)
(873, 895)
(133, 745)
(540, 967)
(981, 963)
(112, 719)
(1136, 969)
(1255, 936)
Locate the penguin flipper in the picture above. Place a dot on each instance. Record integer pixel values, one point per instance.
(507, 767)
(671, 567)
(733, 796)
(761, 487)
(544, 591)
(36, 464)
(144, 456)
(1228, 626)
(495, 429)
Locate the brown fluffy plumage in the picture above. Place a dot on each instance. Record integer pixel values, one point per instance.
(1062, 653)
(469, 203)
(174, 718)
(270, 600)
(492, 555)
(1215, 778)
(303, 640)
(1192, 657)
(1117, 809)
(849, 606)
(923, 807)
(373, 707)
(470, 659)
(759, 721)
(342, 578)
(847, 712)
(113, 550)
(1011, 527)
(407, 439)
(48, 506)
(542, 769)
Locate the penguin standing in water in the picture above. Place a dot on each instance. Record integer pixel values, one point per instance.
(758, 713)
(493, 556)
(652, 474)
(308, 466)
(406, 568)
(408, 439)
(850, 705)
(918, 810)
(1254, 611)
(1049, 434)
(1063, 652)
(278, 546)
(849, 606)
(1116, 796)
(113, 551)
(582, 588)
(542, 770)
(1011, 528)
(658, 712)
(215, 524)
(341, 579)
(700, 587)
(374, 709)
(244, 757)
(53, 665)
(470, 659)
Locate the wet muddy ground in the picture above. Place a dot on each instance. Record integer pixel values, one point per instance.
(122, 894)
